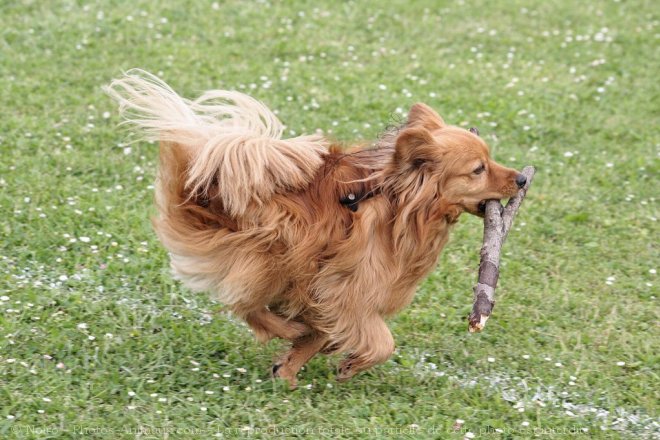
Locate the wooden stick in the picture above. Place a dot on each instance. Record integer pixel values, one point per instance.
(497, 223)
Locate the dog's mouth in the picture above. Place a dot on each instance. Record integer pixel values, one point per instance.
(481, 207)
(478, 209)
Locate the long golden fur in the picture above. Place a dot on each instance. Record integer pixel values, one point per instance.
(301, 239)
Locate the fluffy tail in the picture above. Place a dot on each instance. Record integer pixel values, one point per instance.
(233, 141)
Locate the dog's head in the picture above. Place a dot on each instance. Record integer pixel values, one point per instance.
(455, 161)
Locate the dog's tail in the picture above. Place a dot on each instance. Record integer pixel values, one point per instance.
(233, 143)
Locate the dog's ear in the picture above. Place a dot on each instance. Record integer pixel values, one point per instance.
(415, 146)
(423, 115)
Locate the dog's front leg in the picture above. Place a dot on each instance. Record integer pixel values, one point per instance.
(303, 349)
(374, 346)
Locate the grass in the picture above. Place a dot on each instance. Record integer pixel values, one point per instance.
(98, 341)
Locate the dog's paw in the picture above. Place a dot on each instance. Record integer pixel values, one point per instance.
(347, 369)
(280, 370)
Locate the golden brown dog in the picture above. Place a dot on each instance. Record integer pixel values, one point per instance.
(302, 240)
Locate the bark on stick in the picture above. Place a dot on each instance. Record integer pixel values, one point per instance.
(497, 223)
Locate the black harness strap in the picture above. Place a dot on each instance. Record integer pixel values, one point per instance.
(352, 201)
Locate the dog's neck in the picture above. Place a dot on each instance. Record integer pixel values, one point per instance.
(419, 214)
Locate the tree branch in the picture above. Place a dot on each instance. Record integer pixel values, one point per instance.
(497, 222)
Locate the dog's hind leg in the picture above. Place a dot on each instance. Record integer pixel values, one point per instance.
(267, 325)
(375, 346)
(303, 349)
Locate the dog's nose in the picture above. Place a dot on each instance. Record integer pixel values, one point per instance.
(521, 180)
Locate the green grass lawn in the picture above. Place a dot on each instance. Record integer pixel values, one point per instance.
(98, 341)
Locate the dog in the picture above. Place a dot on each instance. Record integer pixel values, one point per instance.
(303, 239)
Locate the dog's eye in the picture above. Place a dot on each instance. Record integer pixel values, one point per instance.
(480, 169)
